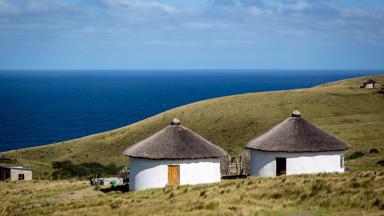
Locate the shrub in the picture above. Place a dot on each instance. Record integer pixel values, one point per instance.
(356, 154)
(373, 151)
(66, 169)
(380, 162)
(7, 160)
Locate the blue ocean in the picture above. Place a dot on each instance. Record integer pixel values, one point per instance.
(42, 107)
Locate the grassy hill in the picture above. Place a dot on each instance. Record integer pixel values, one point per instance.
(357, 193)
(342, 108)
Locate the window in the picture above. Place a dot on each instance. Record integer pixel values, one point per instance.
(21, 176)
(341, 161)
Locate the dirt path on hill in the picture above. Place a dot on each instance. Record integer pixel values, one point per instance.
(88, 192)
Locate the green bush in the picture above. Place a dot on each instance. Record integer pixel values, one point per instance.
(356, 154)
(373, 151)
(7, 160)
(380, 162)
(66, 169)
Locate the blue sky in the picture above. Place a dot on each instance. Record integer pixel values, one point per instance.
(194, 34)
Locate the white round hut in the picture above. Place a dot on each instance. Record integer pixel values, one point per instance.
(370, 83)
(173, 156)
(296, 146)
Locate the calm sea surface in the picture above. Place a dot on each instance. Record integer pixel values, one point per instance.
(41, 107)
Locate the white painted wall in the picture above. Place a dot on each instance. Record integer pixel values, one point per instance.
(15, 174)
(145, 173)
(264, 163)
(369, 85)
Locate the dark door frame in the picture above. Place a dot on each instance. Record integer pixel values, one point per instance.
(281, 166)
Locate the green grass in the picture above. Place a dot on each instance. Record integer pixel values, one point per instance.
(358, 193)
(341, 108)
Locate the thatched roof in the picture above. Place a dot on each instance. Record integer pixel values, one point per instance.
(369, 81)
(175, 142)
(297, 134)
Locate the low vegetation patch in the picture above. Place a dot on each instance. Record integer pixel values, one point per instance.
(381, 162)
(66, 169)
(7, 160)
(354, 155)
(374, 151)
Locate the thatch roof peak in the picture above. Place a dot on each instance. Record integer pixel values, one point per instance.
(175, 121)
(175, 142)
(297, 134)
(296, 114)
(369, 81)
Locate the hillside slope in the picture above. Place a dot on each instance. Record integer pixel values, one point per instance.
(341, 108)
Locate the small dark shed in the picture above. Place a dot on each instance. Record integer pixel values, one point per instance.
(15, 173)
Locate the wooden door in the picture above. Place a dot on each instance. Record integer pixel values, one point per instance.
(174, 175)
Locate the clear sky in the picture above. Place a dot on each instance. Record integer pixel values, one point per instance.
(192, 34)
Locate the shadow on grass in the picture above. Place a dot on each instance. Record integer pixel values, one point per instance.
(234, 177)
(123, 188)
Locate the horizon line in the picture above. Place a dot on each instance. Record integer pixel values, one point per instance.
(198, 69)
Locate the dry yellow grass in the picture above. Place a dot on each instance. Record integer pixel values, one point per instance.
(359, 193)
